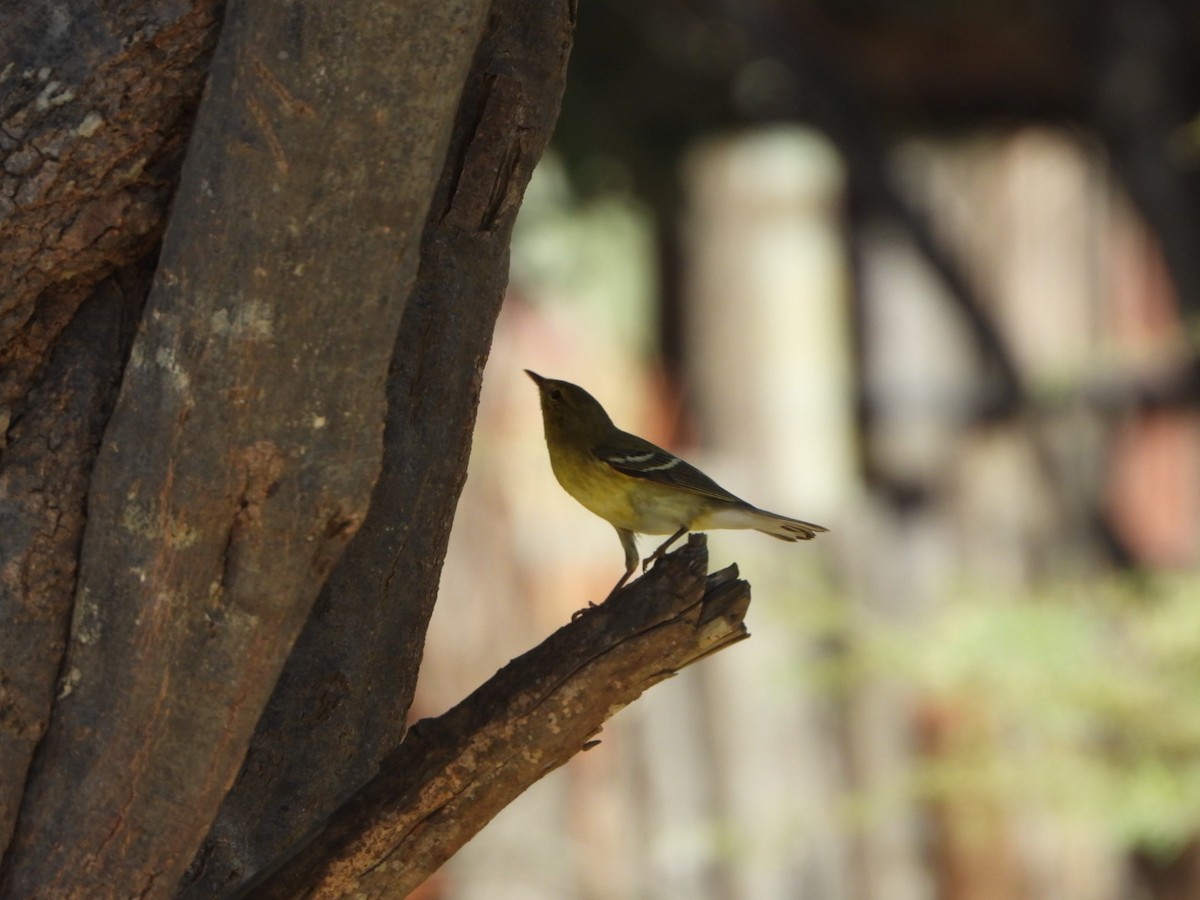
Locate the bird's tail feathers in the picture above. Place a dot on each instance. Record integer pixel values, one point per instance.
(776, 526)
(788, 529)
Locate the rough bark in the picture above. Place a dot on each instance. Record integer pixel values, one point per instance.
(452, 774)
(342, 700)
(93, 101)
(242, 450)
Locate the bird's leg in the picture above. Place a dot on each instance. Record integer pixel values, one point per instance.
(629, 544)
(663, 548)
(621, 582)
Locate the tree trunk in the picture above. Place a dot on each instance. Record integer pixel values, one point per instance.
(342, 700)
(246, 440)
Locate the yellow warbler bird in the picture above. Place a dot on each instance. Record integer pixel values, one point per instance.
(636, 487)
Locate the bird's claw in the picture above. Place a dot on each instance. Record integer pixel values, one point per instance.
(579, 612)
(651, 560)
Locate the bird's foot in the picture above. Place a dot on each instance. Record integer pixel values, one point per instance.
(616, 587)
(579, 612)
(653, 558)
(663, 548)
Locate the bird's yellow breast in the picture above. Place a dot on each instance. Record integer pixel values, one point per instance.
(634, 504)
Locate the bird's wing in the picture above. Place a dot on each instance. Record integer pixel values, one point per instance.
(639, 458)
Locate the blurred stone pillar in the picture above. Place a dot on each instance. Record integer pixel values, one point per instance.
(767, 354)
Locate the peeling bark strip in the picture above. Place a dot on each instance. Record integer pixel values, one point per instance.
(341, 703)
(452, 774)
(246, 438)
(43, 482)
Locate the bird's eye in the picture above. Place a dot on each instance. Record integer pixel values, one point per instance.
(556, 395)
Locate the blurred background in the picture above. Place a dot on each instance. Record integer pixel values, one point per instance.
(926, 272)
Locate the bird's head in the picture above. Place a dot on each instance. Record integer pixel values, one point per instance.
(570, 411)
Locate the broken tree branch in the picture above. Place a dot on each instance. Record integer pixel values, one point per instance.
(454, 773)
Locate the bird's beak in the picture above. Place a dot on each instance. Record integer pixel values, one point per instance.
(537, 379)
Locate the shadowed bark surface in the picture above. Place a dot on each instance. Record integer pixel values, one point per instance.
(44, 480)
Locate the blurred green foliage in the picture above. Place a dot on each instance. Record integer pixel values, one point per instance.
(1080, 702)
